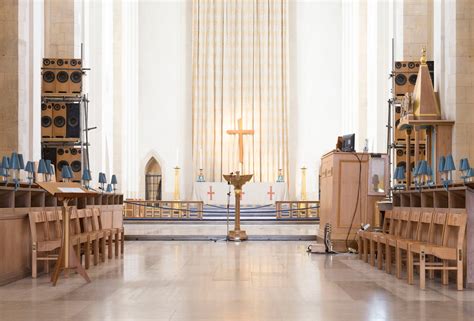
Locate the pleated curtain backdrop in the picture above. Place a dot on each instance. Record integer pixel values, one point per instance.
(240, 70)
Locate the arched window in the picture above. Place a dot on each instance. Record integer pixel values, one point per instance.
(153, 180)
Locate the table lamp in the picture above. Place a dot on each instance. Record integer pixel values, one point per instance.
(464, 168)
(22, 161)
(49, 170)
(6, 166)
(114, 182)
(430, 181)
(449, 168)
(30, 169)
(4, 174)
(66, 173)
(15, 168)
(109, 188)
(399, 176)
(102, 181)
(42, 169)
(86, 178)
(470, 174)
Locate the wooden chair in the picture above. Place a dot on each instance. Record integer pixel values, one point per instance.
(400, 232)
(450, 250)
(45, 239)
(363, 237)
(116, 235)
(380, 239)
(100, 236)
(423, 229)
(408, 234)
(435, 237)
(79, 239)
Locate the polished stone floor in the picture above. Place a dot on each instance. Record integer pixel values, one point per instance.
(228, 281)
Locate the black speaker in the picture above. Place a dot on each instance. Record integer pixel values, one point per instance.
(60, 156)
(73, 120)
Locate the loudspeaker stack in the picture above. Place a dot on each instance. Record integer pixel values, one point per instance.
(404, 75)
(62, 121)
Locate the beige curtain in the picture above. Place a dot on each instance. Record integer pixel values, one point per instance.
(240, 70)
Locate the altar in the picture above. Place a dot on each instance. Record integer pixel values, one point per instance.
(215, 193)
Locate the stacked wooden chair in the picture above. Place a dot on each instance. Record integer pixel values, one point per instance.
(88, 237)
(425, 238)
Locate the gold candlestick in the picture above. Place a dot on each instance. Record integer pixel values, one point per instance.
(304, 196)
(237, 181)
(177, 195)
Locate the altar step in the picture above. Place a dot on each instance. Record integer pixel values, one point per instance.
(214, 231)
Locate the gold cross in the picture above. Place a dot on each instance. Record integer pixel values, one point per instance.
(241, 132)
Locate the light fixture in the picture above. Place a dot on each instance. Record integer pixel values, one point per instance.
(102, 181)
(49, 169)
(470, 173)
(114, 182)
(4, 174)
(42, 169)
(86, 178)
(6, 166)
(15, 168)
(449, 168)
(66, 173)
(399, 176)
(464, 168)
(430, 181)
(30, 169)
(109, 188)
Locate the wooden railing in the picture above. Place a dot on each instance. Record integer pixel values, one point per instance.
(134, 208)
(297, 209)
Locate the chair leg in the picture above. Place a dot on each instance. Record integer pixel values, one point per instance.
(379, 256)
(359, 246)
(445, 273)
(117, 244)
(111, 236)
(431, 273)
(410, 266)
(122, 243)
(96, 250)
(34, 264)
(102, 248)
(366, 251)
(460, 277)
(388, 259)
(398, 261)
(422, 270)
(372, 253)
(87, 256)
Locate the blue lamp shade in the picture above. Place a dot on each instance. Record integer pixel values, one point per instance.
(49, 167)
(430, 171)
(416, 170)
(15, 161)
(66, 173)
(102, 178)
(22, 161)
(3, 172)
(109, 188)
(86, 175)
(30, 168)
(6, 162)
(470, 172)
(441, 163)
(423, 169)
(400, 173)
(113, 180)
(449, 165)
(464, 164)
(42, 167)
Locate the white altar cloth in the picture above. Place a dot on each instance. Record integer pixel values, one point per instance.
(215, 193)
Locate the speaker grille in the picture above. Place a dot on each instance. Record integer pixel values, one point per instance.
(400, 79)
(76, 166)
(46, 121)
(76, 77)
(48, 76)
(62, 77)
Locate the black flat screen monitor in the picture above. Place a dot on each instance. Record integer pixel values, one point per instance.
(348, 143)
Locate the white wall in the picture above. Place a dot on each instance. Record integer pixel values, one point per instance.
(315, 87)
(165, 127)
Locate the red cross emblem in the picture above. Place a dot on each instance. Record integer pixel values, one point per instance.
(210, 193)
(271, 193)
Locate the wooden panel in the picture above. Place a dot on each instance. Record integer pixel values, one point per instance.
(15, 246)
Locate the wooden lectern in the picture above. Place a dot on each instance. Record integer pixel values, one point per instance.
(68, 260)
(347, 198)
(237, 181)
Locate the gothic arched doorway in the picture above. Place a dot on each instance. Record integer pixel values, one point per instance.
(153, 180)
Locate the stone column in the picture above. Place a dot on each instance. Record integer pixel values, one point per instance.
(59, 28)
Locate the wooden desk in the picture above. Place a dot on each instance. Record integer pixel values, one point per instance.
(339, 186)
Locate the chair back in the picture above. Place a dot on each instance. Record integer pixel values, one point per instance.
(403, 220)
(438, 226)
(413, 224)
(394, 222)
(424, 228)
(386, 221)
(455, 229)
